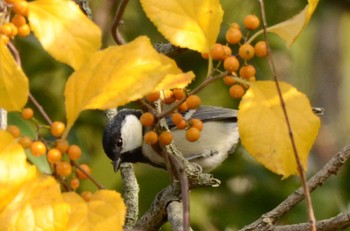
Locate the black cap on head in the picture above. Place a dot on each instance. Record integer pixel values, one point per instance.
(112, 138)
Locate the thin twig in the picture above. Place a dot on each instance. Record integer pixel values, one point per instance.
(15, 53)
(98, 185)
(181, 174)
(118, 38)
(330, 168)
(40, 108)
(301, 170)
(194, 91)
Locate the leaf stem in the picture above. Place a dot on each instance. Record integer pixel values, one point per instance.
(301, 170)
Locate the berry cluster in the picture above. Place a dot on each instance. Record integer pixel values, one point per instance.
(59, 153)
(238, 63)
(185, 102)
(15, 22)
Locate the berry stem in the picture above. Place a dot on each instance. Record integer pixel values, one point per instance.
(98, 185)
(301, 170)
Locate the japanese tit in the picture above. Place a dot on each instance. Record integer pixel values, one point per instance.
(123, 138)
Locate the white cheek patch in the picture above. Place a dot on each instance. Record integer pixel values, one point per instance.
(131, 133)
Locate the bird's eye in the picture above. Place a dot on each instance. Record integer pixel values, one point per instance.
(119, 142)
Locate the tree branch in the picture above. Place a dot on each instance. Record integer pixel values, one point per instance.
(175, 217)
(332, 167)
(156, 215)
(84, 6)
(130, 194)
(339, 222)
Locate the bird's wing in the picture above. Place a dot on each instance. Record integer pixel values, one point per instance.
(206, 113)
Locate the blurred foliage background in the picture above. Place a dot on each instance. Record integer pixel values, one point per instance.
(317, 64)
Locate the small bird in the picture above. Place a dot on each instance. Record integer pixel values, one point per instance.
(123, 138)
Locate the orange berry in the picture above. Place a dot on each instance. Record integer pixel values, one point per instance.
(169, 97)
(179, 94)
(231, 64)
(74, 152)
(251, 22)
(183, 107)
(62, 145)
(181, 125)
(25, 141)
(151, 137)
(53, 155)
(246, 51)
(154, 96)
(197, 123)
(217, 51)
(227, 51)
(57, 128)
(13, 130)
(81, 174)
(193, 134)
(237, 91)
(247, 71)
(166, 138)
(86, 195)
(21, 7)
(8, 29)
(228, 79)
(260, 49)
(27, 113)
(193, 101)
(147, 119)
(4, 39)
(18, 20)
(205, 55)
(233, 36)
(14, 30)
(38, 148)
(74, 183)
(24, 30)
(177, 118)
(63, 168)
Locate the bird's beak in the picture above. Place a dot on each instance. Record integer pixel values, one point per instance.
(116, 164)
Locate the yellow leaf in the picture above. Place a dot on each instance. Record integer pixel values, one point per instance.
(263, 128)
(117, 75)
(14, 88)
(64, 31)
(192, 24)
(176, 78)
(14, 170)
(290, 29)
(39, 205)
(104, 211)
